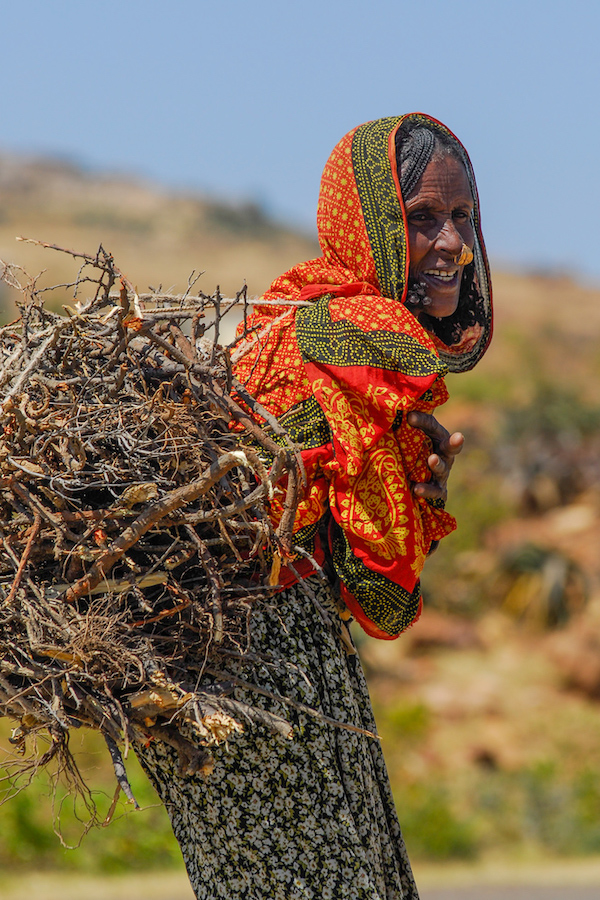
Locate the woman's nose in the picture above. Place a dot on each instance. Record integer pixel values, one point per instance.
(449, 238)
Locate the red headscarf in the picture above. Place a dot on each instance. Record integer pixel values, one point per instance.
(342, 373)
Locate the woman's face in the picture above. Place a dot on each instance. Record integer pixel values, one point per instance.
(439, 222)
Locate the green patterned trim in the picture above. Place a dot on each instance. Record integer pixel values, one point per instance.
(306, 425)
(305, 537)
(391, 607)
(380, 205)
(436, 503)
(342, 343)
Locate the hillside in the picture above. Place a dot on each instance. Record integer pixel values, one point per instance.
(158, 237)
(489, 707)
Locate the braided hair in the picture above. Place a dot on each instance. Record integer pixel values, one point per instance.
(416, 146)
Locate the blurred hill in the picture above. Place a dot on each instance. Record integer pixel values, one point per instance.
(157, 236)
(490, 706)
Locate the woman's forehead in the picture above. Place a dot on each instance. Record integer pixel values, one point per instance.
(444, 178)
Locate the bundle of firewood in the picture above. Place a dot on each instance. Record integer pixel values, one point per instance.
(135, 477)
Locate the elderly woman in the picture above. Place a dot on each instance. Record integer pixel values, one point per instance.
(400, 296)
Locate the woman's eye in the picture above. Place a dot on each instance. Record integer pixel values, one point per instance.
(461, 214)
(419, 217)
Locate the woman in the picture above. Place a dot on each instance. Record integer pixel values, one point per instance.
(400, 295)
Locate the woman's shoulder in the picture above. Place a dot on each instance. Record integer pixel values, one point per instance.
(376, 313)
(366, 330)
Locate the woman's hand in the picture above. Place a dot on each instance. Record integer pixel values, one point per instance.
(445, 447)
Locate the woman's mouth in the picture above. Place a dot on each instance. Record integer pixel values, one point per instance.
(444, 282)
(443, 275)
(435, 291)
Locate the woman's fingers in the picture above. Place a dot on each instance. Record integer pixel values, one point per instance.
(454, 443)
(443, 442)
(445, 445)
(437, 465)
(430, 490)
(429, 424)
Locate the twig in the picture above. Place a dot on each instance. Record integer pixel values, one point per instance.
(35, 530)
(150, 516)
(216, 583)
(119, 767)
(287, 701)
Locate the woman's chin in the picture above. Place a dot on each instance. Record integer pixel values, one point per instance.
(439, 307)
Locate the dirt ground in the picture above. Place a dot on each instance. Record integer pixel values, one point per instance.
(500, 880)
(510, 892)
(505, 880)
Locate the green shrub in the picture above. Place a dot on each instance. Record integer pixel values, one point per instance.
(133, 839)
(431, 828)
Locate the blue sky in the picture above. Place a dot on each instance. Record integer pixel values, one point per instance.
(246, 99)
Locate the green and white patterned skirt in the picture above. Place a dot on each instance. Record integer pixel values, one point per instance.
(278, 819)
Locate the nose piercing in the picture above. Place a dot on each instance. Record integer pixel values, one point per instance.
(464, 257)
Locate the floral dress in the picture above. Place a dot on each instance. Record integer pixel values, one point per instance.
(308, 817)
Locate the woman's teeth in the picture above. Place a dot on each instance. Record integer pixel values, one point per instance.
(444, 274)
